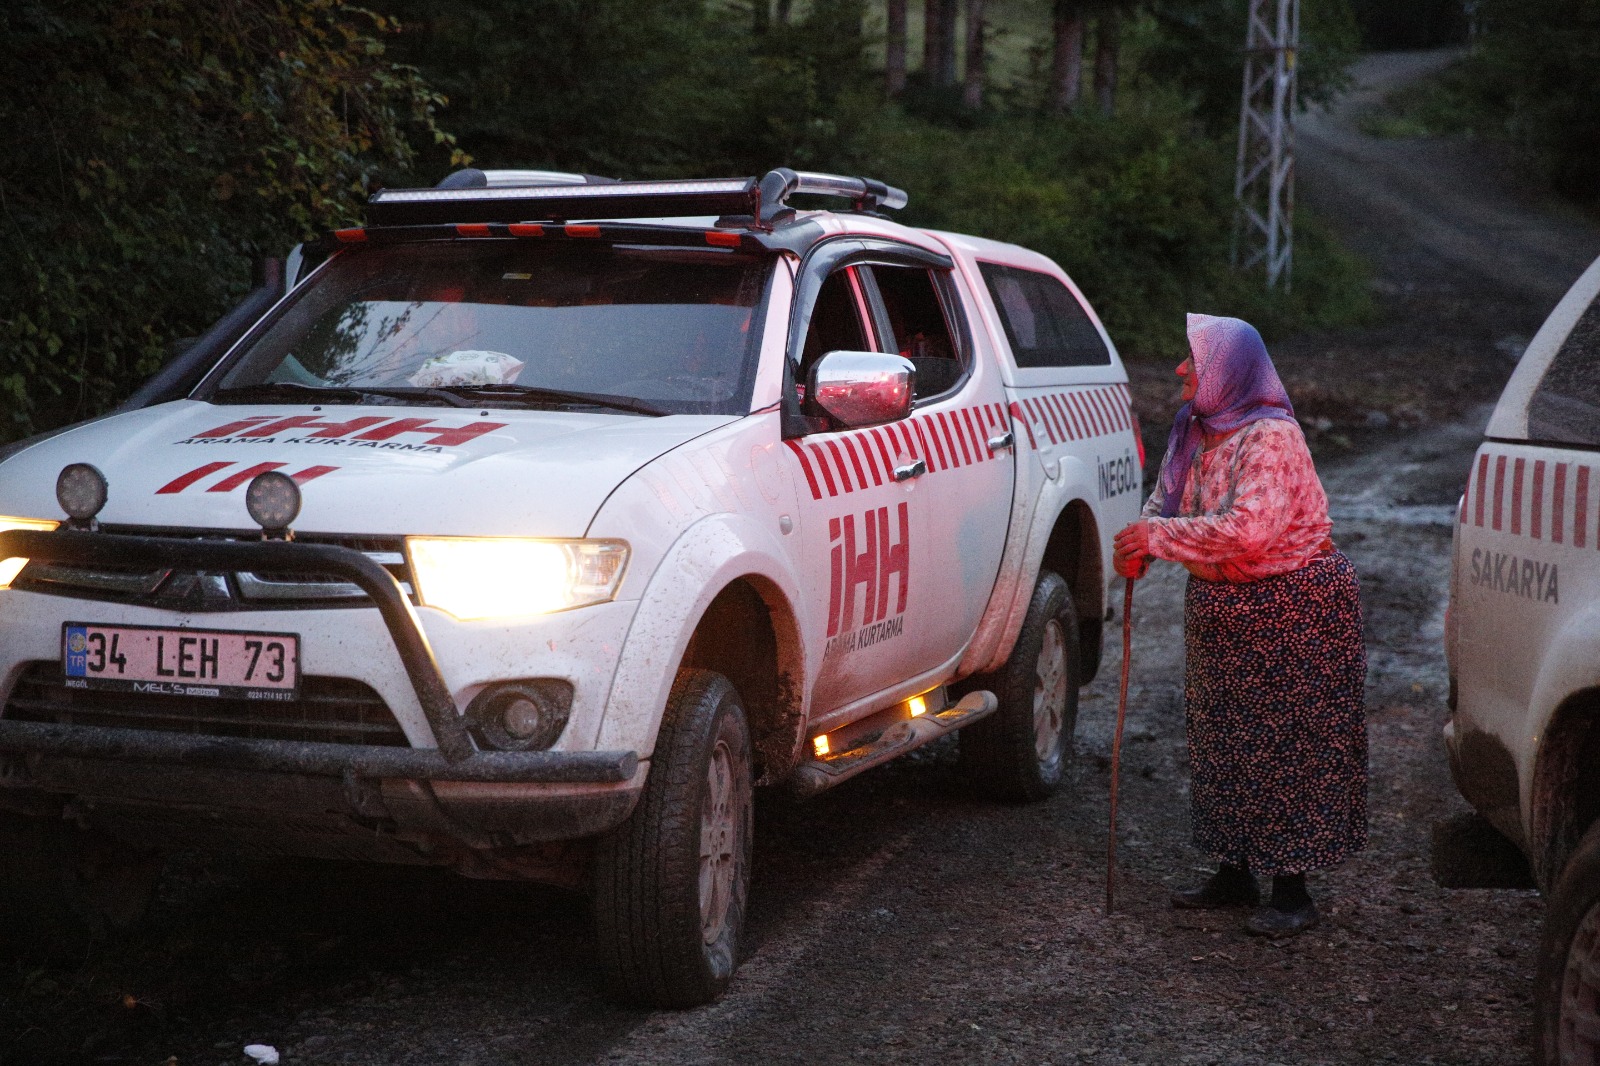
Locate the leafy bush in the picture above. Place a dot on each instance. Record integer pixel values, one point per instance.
(154, 149)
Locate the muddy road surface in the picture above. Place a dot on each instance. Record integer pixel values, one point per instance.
(900, 918)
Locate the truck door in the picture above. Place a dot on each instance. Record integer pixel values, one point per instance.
(963, 435)
(906, 521)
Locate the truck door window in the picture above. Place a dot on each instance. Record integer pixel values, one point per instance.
(1043, 320)
(918, 328)
(837, 323)
(1565, 408)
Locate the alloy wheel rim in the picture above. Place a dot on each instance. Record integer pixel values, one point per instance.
(719, 842)
(1050, 694)
(1579, 1026)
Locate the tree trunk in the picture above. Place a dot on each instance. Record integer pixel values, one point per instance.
(1108, 31)
(783, 12)
(972, 90)
(894, 65)
(761, 15)
(933, 34)
(1066, 68)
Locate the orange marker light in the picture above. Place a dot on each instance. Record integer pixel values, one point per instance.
(820, 745)
(918, 705)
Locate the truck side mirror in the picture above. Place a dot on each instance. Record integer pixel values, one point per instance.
(861, 388)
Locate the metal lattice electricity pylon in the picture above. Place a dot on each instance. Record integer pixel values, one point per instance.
(1263, 229)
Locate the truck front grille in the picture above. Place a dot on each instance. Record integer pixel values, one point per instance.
(333, 710)
(210, 592)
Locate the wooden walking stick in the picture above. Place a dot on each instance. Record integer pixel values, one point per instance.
(1116, 745)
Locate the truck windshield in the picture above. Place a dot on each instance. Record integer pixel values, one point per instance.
(516, 323)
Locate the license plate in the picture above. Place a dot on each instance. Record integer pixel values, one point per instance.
(181, 662)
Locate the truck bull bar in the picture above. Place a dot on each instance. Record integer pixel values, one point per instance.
(455, 759)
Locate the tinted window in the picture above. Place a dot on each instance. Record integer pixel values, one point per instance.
(1566, 405)
(1043, 320)
(835, 322)
(918, 328)
(670, 327)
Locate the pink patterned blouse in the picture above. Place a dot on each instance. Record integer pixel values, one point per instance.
(1253, 507)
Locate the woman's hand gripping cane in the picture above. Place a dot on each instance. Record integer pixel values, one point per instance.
(1130, 556)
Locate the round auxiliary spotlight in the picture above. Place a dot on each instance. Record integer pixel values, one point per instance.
(273, 500)
(522, 716)
(81, 491)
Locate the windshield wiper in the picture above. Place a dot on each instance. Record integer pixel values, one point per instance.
(537, 395)
(267, 391)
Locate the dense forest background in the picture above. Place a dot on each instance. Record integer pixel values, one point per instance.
(155, 148)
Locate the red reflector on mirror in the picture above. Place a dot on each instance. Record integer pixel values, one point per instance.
(721, 239)
(351, 236)
(472, 229)
(525, 229)
(582, 231)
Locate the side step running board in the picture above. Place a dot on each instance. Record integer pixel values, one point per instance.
(821, 774)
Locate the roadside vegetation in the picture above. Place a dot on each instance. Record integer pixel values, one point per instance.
(1531, 80)
(157, 148)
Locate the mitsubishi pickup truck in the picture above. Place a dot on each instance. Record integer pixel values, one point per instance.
(1523, 640)
(527, 528)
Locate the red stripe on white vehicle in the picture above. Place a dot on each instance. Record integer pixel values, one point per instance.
(805, 466)
(183, 481)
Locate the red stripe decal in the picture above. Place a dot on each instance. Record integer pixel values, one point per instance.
(1516, 495)
(311, 473)
(183, 481)
(839, 465)
(1072, 414)
(932, 454)
(805, 465)
(472, 229)
(855, 461)
(1029, 405)
(233, 481)
(1091, 400)
(1580, 510)
(1558, 504)
(1483, 480)
(883, 452)
(974, 430)
(1499, 490)
(820, 457)
(1103, 405)
(1016, 413)
(953, 438)
(1538, 500)
(525, 229)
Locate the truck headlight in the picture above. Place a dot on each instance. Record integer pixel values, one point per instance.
(495, 577)
(10, 568)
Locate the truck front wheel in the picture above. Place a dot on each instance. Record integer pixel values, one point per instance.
(1567, 994)
(670, 883)
(1022, 751)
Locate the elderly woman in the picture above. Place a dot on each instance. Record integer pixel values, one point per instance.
(1272, 623)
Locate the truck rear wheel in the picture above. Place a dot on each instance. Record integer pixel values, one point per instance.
(1567, 993)
(670, 883)
(1021, 752)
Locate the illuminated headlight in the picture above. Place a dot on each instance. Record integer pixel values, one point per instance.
(470, 577)
(10, 568)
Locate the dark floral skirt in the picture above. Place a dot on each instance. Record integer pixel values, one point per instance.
(1276, 718)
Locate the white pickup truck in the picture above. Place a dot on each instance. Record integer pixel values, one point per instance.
(1523, 638)
(529, 527)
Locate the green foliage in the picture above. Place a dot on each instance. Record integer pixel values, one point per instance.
(1193, 34)
(1138, 210)
(153, 149)
(1541, 60)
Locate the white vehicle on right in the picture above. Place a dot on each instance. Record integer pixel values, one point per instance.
(1523, 640)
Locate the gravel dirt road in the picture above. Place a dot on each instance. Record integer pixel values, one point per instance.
(901, 919)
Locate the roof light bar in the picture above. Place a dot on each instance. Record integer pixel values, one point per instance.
(763, 200)
(624, 199)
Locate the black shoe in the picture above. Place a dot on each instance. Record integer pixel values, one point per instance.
(1218, 893)
(1274, 924)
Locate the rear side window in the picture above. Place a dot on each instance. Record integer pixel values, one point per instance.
(918, 328)
(1043, 320)
(1566, 406)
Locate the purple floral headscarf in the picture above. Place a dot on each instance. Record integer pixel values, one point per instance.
(1238, 385)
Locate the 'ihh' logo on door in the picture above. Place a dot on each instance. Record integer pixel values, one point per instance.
(867, 561)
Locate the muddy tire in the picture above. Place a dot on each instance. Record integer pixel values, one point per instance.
(1021, 753)
(1566, 998)
(670, 883)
